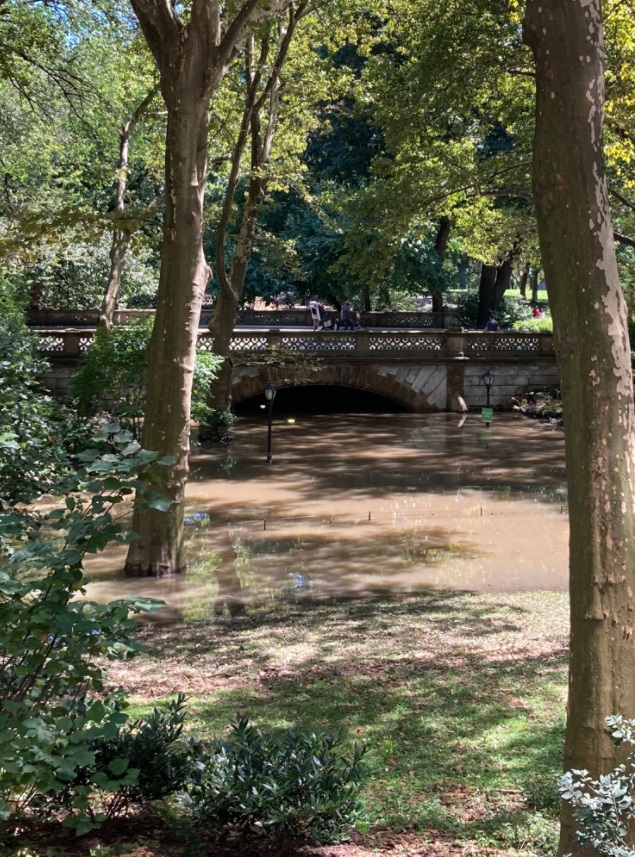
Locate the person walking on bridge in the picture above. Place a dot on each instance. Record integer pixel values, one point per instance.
(348, 316)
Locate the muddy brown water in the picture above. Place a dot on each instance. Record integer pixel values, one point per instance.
(354, 506)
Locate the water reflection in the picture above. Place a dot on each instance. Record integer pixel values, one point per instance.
(355, 505)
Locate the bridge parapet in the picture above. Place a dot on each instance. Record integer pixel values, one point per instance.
(70, 343)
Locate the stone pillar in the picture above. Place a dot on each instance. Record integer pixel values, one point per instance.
(72, 343)
(546, 342)
(362, 342)
(456, 383)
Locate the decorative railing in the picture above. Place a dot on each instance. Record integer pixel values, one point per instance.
(70, 343)
(248, 317)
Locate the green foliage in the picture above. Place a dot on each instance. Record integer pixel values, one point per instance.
(53, 703)
(113, 372)
(153, 747)
(511, 310)
(216, 425)
(113, 375)
(204, 374)
(43, 431)
(277, 784)
(539, 325)
(604, 807)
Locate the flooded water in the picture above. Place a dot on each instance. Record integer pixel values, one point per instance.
(358, 505)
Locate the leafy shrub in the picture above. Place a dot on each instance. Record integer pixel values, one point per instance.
(113, 375)
(510, 310)
(604, 808)
(53, 708)
(42, 430)
(141, 762)
(539, 325)
(216, 425)
(287, 785)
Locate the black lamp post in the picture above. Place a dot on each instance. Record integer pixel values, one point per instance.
(488, 380)
(270, 395)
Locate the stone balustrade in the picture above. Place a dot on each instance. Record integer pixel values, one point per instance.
(70, 343)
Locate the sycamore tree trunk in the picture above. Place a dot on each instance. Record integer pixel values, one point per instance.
(591, 340)
(192, 58)
(172, 350)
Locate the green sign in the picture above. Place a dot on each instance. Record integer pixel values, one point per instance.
(487, 415)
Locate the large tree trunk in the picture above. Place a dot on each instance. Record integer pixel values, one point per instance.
(172, 351)
(486, 293)
(440, 248)
(192, 59)
(591, 340)
(503, 279)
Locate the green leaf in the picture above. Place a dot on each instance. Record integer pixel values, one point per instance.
(118, 766)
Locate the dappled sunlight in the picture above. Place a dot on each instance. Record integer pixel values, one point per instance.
(460, 697)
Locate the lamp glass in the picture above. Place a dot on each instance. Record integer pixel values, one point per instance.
(270, 391)
(488, 378)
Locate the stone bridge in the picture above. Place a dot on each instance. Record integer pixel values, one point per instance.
(422, 370)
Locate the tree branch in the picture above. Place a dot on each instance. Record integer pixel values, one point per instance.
(160, 24)
(624, 239)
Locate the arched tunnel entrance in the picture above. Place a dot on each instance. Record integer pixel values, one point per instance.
(322, 399)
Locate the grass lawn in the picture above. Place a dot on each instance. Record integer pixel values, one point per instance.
(460, 699)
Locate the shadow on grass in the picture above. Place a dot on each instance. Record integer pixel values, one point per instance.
(453, 694)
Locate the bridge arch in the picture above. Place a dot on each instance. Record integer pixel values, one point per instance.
(395, 383)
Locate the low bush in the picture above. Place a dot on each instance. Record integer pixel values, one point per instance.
(539, 325)
(605, 808)
(140, 762)
(283, 785)
(54, 709)
(216, 425)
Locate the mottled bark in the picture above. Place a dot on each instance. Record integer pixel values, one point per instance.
(172, 350)
(591, 341)
(192, 59)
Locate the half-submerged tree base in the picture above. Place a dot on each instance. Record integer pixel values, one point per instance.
(594, 358)
(159, 551)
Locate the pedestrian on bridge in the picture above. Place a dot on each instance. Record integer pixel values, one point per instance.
(348, 316)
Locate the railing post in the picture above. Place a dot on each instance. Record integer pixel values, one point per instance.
(455, 341)
(362, 343)
(71, 343)
(274, 338)
(546, 342)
